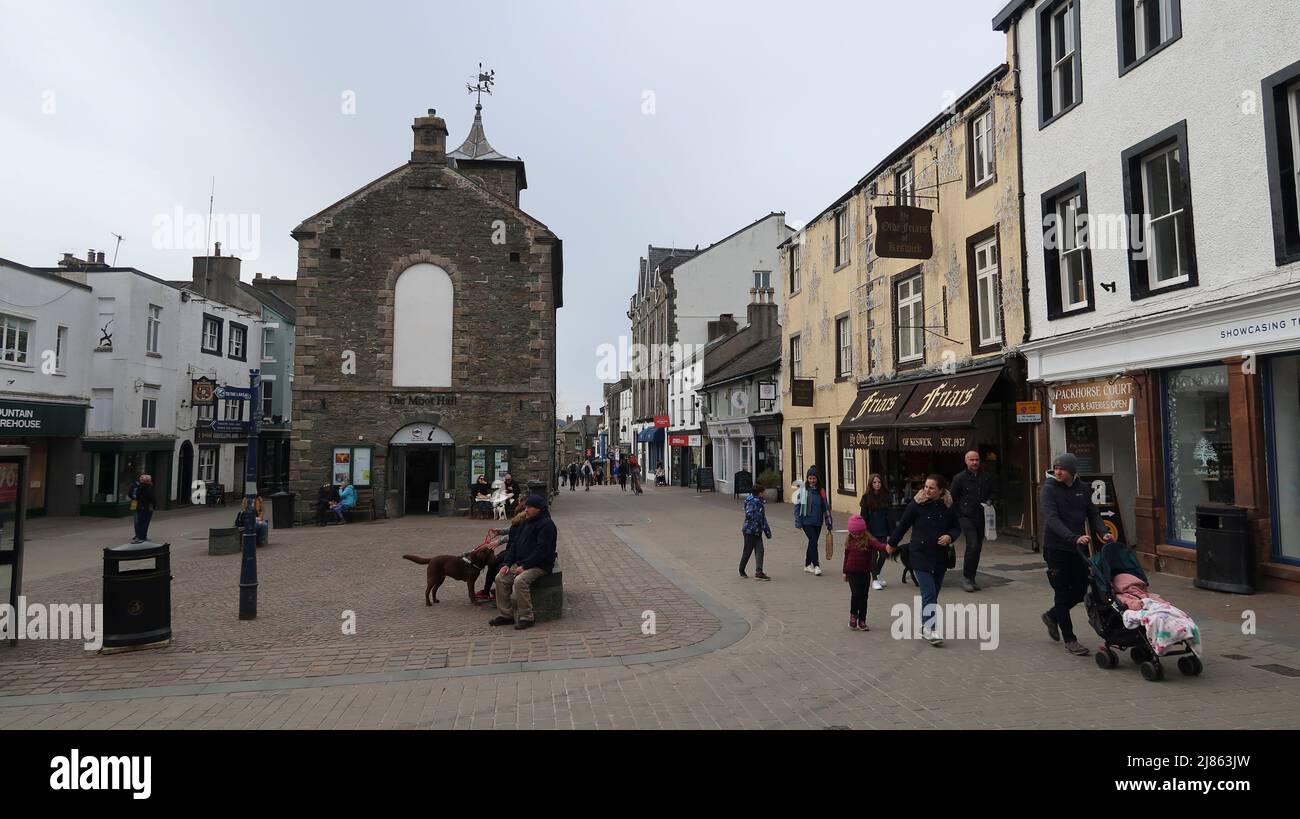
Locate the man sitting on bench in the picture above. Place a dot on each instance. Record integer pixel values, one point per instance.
(347, 500)
(530, 555)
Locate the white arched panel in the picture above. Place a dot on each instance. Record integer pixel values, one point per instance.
(422, 300)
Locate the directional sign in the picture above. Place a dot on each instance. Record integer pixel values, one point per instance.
(230, 426)
(233, 393)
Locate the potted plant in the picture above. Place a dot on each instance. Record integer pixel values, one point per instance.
(771, 480)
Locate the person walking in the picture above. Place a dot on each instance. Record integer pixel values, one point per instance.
(754, 529)
(874, 508)
(1067, 509)
(810, 515)
(145, 503)
(859, 549)
(932, 520)
(635, 475)
(573, 477)
(588, 475)
(971, 489)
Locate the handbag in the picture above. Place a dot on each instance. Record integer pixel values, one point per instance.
(830, 545)
(990, 523)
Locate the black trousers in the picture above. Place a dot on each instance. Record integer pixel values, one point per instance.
(490, 572)
(1068, 574)
(878, 561)
(859, 588)
(754, 546)
(973, 533)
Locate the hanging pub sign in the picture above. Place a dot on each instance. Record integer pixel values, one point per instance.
(801, 392)
(903, 232)
(203, 392)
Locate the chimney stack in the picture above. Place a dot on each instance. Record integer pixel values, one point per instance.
(724, 326)
(99, 257)
(430, 139)
(588, 409)
(762, 313)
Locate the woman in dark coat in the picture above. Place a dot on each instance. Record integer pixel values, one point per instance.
(932, 519)
(874, 508)
(480, 493)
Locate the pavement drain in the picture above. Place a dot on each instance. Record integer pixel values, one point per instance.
(1284, 670)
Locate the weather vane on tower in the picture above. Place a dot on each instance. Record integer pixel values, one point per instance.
(485, 83)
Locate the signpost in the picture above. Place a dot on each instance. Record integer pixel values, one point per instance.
(904, 233)
(248, 566)
(1029, 412)
(801, 392)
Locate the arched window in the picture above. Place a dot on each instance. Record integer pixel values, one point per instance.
(422, 302)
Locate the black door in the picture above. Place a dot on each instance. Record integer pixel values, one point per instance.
(183, 490)
(423, 466)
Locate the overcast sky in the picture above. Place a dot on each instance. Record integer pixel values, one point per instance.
(115, 115)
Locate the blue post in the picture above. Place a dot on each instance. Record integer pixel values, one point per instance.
(248, 566)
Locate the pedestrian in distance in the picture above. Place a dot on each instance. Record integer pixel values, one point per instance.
(860, 548)
(754, 529)
(874, 508)
(932, 521)
(588, 475)
(971, 489)
(812, 513)
(573, 477)
(1068, 510)
(144, 502)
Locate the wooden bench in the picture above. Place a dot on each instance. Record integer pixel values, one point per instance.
(365, 504)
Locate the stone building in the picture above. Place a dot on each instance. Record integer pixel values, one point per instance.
(426, 332)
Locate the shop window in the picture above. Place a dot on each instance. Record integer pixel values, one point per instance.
(1158, 197)
(848, 471)
(1284, 455)
(15, 337)
(1282, 142)
(1060, 85)
(422, 327)
(1198, 428)
(979, 153)
(211, 341)
(1145, 27)
(1067, 251)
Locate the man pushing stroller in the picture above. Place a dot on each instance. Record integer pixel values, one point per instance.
(1067, 507)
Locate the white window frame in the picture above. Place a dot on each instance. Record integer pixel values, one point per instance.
(849, 468)
(1067, 214)
(60, 347)
(905, 187)
(797, 257)
(101, 411)
(1175, 216)
(232, 409)
(268, 342)
(206, 468)
(762, 280)
(231, 352)
(983, 275)
(844, 341)
(911, 318)
(153, 327)
(207, 412)
(796, 356)
(1165, 10)
(149, 412)
(1063, 17)
(268, 398)
(211, 341)
(16, 340)
(842, 236)
(797, 453)
(1293, 103)
(982, 133)
(747, 456)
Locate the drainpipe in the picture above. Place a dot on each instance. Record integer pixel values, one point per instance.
(1024, 278)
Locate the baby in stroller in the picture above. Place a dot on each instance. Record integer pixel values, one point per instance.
(1126, 615)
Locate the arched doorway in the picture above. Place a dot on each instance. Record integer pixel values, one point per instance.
(420, 457)
(185, 474)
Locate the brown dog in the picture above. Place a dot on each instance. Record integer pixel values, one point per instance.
(444, 566)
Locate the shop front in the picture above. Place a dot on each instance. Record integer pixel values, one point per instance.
(733, 451)
(768, 433)
(115, 464)
(905, 431)
(51, 432)
(684, 458)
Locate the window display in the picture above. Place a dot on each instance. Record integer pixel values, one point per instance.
(1284, 452)
(1198, 424)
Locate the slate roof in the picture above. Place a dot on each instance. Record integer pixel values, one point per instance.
(764, 355)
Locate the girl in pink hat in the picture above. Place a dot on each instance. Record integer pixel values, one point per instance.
(857, 570)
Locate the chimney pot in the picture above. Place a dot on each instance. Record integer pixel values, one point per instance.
(430, 139)
(218, 253)
(90, 256)
(99, 257)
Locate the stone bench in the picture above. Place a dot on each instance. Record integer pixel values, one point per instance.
(225, 541)
(548, 597)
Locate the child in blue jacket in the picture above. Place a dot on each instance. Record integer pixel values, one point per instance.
(754, 528)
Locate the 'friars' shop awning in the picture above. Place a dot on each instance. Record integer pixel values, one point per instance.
(947, 401)
(918, 415)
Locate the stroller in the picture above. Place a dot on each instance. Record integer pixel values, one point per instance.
(1106, 616)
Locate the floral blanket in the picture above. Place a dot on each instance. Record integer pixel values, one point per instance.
(1167, 627)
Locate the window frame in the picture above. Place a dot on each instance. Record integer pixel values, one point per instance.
(267, 390)
(1052, 257)
(796, 453)
(895, 284)
(1047, 63)
(796, 355)
(1162, 156)
(988, 236)
(219, 324)
(268, 340)
(1134, 159)
(1126, 30)
(226, 404)
(975, 183)
(910, 173)
(1283, 160)
(843, 347)
(199, 467)
(22, 329)
(243, 343)
(153, 329)
(848, 471)
(762, 276)
(843, 250)
(62, 334)
(795, 262)
(206, 412)
(148, 412)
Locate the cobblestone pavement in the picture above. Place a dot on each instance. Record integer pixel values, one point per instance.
(728, 652)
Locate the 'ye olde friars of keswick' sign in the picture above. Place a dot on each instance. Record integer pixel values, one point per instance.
(904, 233)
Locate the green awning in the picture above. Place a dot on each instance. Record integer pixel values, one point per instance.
(33, 419)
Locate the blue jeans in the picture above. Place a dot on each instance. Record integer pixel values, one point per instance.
(814, 534)
(342, 512)
(930, 583)
(142, 517)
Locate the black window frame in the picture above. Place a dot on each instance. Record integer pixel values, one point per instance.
(972, 187)
(1051, 258)
(231, 336)
(1126, 37)
(917, 272)
(203, 334)
(840, 373)
(1279, 146)
(1045, 85)
(972, 283)
(1138, 270)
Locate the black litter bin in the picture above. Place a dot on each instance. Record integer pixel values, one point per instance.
(282, 510)
(1225, 559)
(137, 595)
(536, 488)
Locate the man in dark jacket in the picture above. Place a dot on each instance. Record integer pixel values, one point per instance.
(971, 489)
(144, 506)
(529, 555)
(1067, 506)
